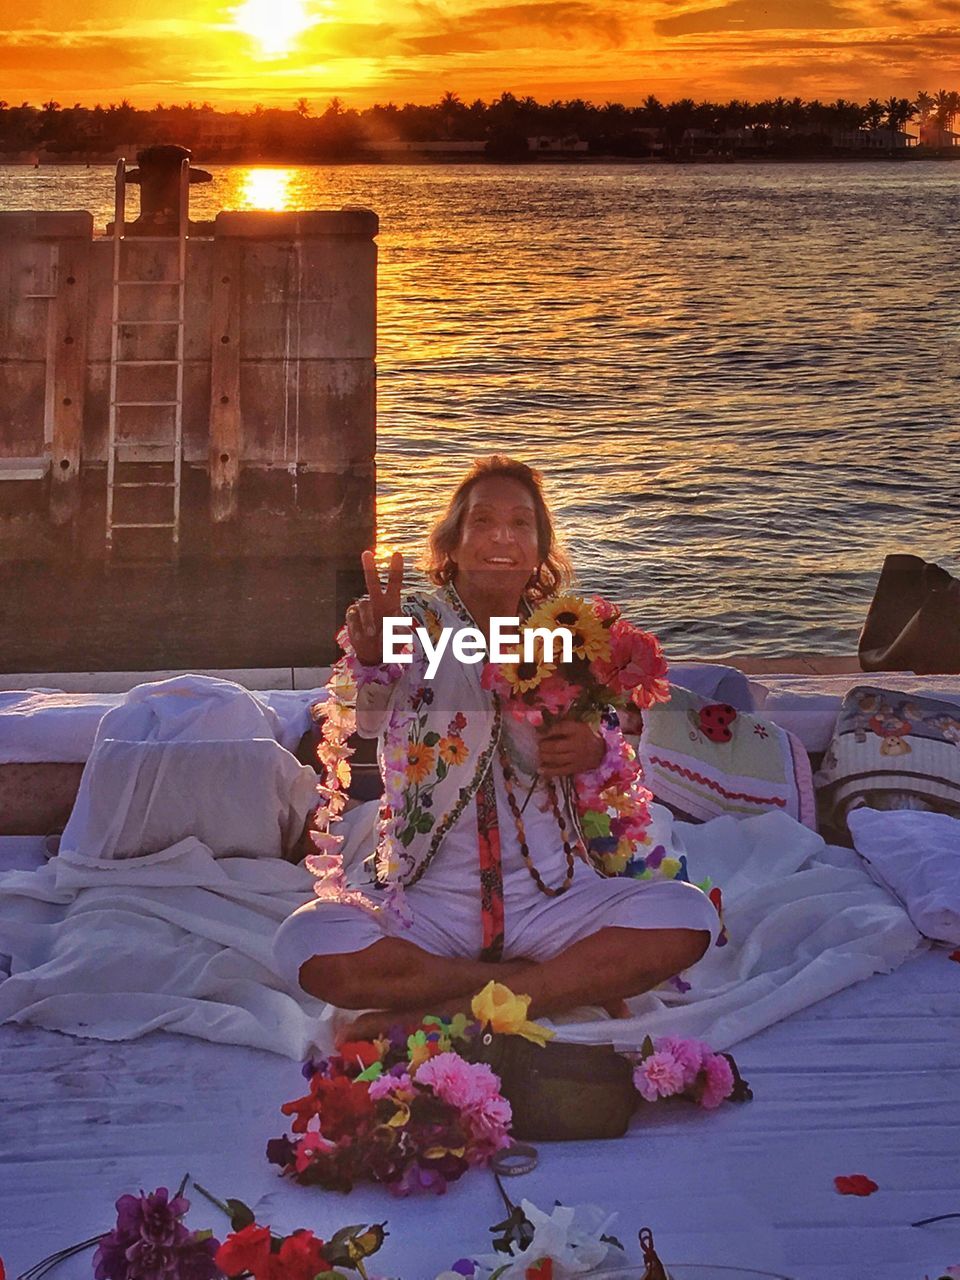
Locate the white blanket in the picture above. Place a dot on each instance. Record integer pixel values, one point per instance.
(916, 856)
(182, 940)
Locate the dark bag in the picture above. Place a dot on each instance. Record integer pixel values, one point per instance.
(913, 623)
(560, 1092)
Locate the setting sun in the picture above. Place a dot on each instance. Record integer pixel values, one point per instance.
(273, 24)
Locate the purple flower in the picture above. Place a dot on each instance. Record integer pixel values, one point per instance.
(150, 1242)
(153, 1218)
(464, 1267)
(147, 1261)
(110, 1260)
(195, 1259)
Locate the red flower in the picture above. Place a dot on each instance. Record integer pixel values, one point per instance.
(304, 1109)
(343, 1106)
(856, 1184)
(246, 1250)
(301, 1256)
(955, 955)
(365, 1050)
(542, 1269)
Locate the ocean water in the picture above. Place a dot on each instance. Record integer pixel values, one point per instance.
(740, 382)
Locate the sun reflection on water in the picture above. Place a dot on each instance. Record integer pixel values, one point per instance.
(265, 189)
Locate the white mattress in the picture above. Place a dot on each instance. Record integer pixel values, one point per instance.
(867, 1081)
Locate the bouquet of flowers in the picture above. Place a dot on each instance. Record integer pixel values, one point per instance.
(613, 664)
(669, 1067)
(404, 1110)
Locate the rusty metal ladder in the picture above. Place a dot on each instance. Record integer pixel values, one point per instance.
(135, 461)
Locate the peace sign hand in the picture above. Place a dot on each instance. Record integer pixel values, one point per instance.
(365, 617)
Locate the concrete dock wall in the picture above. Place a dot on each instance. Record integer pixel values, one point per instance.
(279, 439)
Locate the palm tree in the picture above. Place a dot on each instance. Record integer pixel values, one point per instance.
(302, 108)
(898, 112)
(924, 103)
(873, 113)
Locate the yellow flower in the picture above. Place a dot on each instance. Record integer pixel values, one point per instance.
(590, 638)
(342, 687)
(669, 868)
(497, 1007)
(614, 863)
(433, 625)
(420, 761)
(522, 676)
(453, 750)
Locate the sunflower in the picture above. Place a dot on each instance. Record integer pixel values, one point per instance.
(521, 676)
(590, 638)
(452, 749)
(420, 761)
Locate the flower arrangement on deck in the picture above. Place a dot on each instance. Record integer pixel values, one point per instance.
(405, 1110)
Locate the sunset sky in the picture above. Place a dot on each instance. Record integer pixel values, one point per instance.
(274, 51)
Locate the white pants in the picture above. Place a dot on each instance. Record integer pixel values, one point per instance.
(445, 903)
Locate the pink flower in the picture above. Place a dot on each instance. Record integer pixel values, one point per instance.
(658, 1076)
(489, 1126)
(719, 1080)
(688, 1054)
(636, 666)
(604, 610)
(386, 1084)
(309, 1145)
(556, 695)
(465, 1085)
(492, 678)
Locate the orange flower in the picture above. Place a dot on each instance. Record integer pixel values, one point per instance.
(420, 761)
(453, 750)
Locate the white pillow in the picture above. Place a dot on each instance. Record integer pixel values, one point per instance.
(917, 856)
(249, 798)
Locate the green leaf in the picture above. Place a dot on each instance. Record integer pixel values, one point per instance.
(617, 1244)
(646, 1048)
(441, 769)
(406, 835)
(425, 823)
(431, 739)
(596, 825)
(350, 1245)
(202, 1235)
(240, 1215)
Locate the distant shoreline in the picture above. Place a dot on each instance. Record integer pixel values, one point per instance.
(408, 159)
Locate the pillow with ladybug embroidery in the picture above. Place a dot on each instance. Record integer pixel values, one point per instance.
(703, 758)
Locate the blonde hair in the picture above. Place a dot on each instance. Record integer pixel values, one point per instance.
(553, 573)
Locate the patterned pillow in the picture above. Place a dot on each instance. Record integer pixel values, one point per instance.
(702, 759)
(890, 750)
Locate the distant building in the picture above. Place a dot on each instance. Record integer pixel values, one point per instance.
(547, 142)
(933, 134)
(405, 145)
(718, 141)
(873, 139)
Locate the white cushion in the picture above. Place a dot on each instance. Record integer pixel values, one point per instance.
(917, 856)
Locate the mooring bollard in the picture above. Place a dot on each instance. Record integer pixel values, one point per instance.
(158, 177)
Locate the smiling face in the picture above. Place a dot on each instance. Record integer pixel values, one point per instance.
(499, 541)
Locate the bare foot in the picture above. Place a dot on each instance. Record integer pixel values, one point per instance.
(617, 1009)
(379, 1021)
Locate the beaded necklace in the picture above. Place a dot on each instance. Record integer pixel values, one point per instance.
(509, 778)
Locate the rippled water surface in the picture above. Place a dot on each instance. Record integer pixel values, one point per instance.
(741, 382)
